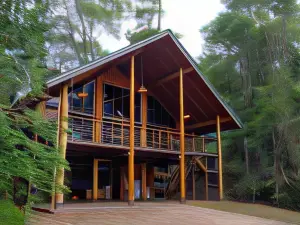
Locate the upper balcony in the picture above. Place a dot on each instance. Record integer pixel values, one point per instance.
(109, 133)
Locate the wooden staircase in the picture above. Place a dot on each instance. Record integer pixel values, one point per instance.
(173, 184)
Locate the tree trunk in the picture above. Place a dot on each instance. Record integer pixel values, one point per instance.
(84, 42)
(246, 154)
(159, 15)
(71, 34)
(90, 37)
(276, 164)
(254, 192)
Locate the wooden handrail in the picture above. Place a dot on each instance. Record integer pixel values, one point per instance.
(117, 130)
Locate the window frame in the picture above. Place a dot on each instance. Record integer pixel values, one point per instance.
(82, 112)
(161, 113)
(123, 118)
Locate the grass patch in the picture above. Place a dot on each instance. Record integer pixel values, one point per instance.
(258, 210)
(9, 214)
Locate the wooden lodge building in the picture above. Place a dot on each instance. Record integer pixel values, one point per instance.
(141, 123)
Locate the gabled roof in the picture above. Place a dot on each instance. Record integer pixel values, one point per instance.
(163, 55)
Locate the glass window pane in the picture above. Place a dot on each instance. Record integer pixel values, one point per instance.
(108, 92)
(150, 117)
(157, 113)
(89, 100)
(137, 99)
(108, 109)
(118, 108)
(126, 107)
(117, 92)
(137, 114)
(77, 102)
(126, 92)
(165, 117)
(150, 102)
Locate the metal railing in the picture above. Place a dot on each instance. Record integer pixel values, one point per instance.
(117, 133)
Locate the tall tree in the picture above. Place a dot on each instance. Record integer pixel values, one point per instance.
(22, 74)
(77, 26)
(251, 55)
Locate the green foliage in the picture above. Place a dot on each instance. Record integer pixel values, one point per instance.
(10, 214)
(77, 26)
(137, 37)
(252, 57)
(24, 26)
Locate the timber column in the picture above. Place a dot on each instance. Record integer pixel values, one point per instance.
(62, 141)
(144, 120)
(220, 158)
(182, 144)
(131, 138)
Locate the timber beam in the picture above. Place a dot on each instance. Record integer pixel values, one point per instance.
(207, 123)
(200, 165)
(169, 77)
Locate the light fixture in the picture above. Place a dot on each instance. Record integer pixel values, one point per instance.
(82, 94)
(187, 116)
(142, 88)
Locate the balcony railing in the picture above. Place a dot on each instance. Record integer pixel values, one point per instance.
(116, 133)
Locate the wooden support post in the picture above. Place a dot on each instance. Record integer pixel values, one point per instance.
(122, 186)
(98, 108)
(206, 186)
(144, 181)
(131, 139)
(182, 144)
(144, 120)
(220, 158)
(95, 180)
(194, 182)
(63, 138)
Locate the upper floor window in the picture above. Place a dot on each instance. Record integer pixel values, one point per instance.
(157, 114)
(116, 103)
(81, 99)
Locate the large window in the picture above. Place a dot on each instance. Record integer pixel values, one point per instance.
(81, 99)
(157, 114)
(117, 103)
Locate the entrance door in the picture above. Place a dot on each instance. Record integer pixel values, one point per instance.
(102, 179)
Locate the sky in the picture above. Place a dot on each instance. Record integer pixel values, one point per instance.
(183, 16)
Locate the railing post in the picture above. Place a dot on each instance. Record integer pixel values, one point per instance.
(168, 139)
(193, 142)
(182, 145)
(131, 139)
(122, 134)
(153, 139)
(100, 131)
(194, 182)
(159, 139)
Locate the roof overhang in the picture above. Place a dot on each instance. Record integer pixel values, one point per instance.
(162, 56)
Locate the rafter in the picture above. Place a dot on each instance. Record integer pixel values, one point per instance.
(207, 123)
(171, 76)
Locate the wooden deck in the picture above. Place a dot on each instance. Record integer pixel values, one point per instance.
(143, 213)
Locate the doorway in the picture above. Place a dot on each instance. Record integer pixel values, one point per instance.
(102, 179)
